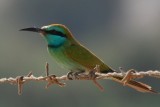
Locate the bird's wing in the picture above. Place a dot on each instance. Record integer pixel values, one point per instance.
(84, 57)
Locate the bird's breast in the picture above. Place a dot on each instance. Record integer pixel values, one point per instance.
(60, 56)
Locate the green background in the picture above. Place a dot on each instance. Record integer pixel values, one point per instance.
(123, 33)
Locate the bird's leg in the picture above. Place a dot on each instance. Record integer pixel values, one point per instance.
(74, 74)
(92, 72)
(128, 76)
(70, 75)
(92, 75)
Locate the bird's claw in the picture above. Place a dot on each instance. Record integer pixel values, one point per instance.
(70, 75)
(74, 75)
(92, 74)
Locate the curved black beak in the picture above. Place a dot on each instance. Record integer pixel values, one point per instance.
(32, 29)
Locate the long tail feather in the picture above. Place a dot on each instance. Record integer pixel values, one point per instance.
(139, 86)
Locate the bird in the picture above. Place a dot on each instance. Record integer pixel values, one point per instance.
(70, 54)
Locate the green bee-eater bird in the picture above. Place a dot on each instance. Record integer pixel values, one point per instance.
(70, 54)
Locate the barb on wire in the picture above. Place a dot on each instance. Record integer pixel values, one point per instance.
(122, 77)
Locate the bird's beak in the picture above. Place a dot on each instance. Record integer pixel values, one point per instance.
(33, 29)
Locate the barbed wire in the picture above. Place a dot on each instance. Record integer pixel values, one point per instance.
(52, 79)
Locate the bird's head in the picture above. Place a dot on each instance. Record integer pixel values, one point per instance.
(55, 34)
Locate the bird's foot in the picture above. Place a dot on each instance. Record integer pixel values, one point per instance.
(73, 75)
(128, 76)
(70, 75)
(92, 74)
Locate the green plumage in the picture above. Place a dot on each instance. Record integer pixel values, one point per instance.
(68, 52)
(76, 57)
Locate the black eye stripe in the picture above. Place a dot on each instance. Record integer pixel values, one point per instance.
(54, 32)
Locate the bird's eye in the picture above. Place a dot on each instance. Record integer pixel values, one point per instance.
(54, 32)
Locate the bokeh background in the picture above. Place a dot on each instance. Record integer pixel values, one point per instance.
(124, 33)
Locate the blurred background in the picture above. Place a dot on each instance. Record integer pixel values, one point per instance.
(124, 33)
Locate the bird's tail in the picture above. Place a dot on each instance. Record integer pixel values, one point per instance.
(139, 86)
